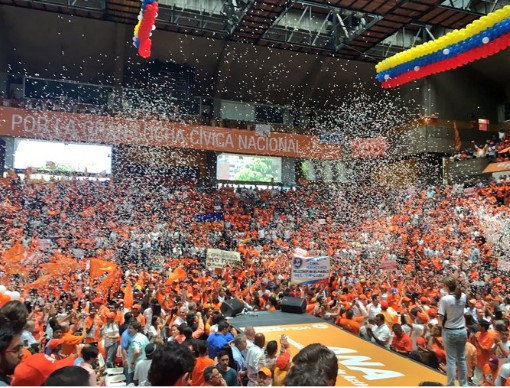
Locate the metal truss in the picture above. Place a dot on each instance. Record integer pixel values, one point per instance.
(204, 15)
(405, 38)
(316, 25)
(475, 7)
(89, 5)
(304, 25)
(416, 34)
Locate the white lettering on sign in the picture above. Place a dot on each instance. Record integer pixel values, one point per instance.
(69, 127)
(347, 358)
(217, 258)
(261, 144)
(359, 363)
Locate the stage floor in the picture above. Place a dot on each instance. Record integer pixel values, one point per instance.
(360, 363)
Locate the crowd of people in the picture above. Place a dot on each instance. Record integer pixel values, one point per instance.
(151, 292)
(496, 149)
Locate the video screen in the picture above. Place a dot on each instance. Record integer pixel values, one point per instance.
(249, 168)
(62, 157)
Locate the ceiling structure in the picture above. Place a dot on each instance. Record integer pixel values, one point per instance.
(363, 30)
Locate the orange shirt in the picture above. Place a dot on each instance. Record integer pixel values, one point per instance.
(197, 376)
(97, 322)
(483, 347)
(488, 375)
(140, 318)
(402, 343)
(350, 325)
(70, 342)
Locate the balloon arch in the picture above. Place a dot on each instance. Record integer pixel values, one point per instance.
(480, 39)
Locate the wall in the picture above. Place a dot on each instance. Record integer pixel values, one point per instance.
(160, 156)
(465, 93)
(458, 171)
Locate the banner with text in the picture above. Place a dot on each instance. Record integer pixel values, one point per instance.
(209, 217)
(72, 127)
(388, 264)
(360, 363)
(217, 258)
(309, 270)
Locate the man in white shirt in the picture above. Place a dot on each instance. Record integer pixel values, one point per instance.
(503, 375)
(90, 354)
(182, 316)
(252, 358)
(142, 368)
(249, 332)
(380, 333)
(147, 314)
(373, 308)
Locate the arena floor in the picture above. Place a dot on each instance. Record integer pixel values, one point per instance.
(360, 362)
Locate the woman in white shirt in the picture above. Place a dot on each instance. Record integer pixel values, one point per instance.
(111, 339)
(451, 318)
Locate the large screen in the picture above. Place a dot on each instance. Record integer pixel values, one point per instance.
(249, 168)
(62, 157)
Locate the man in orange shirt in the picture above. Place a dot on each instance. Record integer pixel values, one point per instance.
(202, 362)
(401, 342)
(101, 310)
(92, 327)
(349, 324)
(483, 342)
(135, 310)
(490, 371)
(70, 340)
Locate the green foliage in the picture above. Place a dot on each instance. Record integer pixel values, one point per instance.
(258, 170)
(59, 167)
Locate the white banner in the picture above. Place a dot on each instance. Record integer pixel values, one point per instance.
(308, 270)
(217, 258)
(45, 244)
(388, 264)
(503, 264)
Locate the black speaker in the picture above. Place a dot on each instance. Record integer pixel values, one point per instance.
(293, 305)
(231, 308)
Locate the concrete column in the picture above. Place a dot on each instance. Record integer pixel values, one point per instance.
(8, 143)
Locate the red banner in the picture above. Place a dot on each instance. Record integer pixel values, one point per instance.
(71, 127)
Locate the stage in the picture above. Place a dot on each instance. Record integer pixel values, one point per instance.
(360, 363)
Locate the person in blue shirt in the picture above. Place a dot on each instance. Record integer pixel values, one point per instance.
(217, 340)
(125, 342)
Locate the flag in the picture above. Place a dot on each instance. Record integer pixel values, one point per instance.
(458, 142)
(43, 281)
(13, 258)
(209, 217)
(99, 267)
(128, 296)
(106, 271)
(178, 274)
